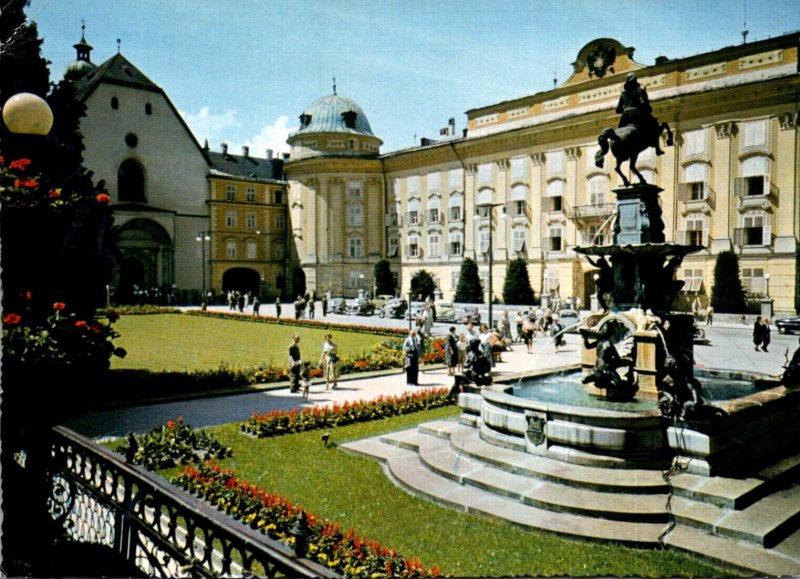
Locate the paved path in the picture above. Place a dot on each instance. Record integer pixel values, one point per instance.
(730, 348)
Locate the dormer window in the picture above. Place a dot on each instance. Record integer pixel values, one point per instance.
(349, 118)
(305, 120)
(114, 103)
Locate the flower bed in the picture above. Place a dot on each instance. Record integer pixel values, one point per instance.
(172, 444)
(280, 422)
(324, 325)
(273, 515)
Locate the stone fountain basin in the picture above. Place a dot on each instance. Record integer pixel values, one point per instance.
(761, 425)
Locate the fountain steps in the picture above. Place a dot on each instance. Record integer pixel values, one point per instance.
(751, 523)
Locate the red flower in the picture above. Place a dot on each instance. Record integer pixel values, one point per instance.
(28, 296)
(80, 324)
(20, 164)
(170, 424)
(29, 183)
(59, 306)
(12, 319)
(54, 193)
(103, 198)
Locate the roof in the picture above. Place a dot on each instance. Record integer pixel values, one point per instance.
(116, 70)
(326, 116)
(241, 167)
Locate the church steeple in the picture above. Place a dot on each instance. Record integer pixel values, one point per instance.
(82, 65)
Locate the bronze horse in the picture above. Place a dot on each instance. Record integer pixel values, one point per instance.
(626, 144)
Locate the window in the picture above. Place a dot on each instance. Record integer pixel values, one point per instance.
(354, 280)
(355, 216)
(755, 230)
(695, 230)
(278, 197)
(519, 201)
(434, 215)
(433, 245)
(279, 222)
(754, 133)
(485, 174)
(251, 250)
(519, 237)
(412, 217)
(695, 186)
(355, 247)
(597, 190)
(250, 220)
(755, 177)
(519, 169)
(391, 217)
(456, 213)
(412, 250)
(456, 241)
(130, 182)
(554, 238)
(484, 208)
(412, 185)
(694, 142)
(250, 194)
(753, 280)
(692, 280)
(148, 109)
(114, 103)
(394, 245)
(555, 191)
(483, 236)
(230, 192)
(520, 208)
(354, 190)
(455, 179)
(231, 249)
(230, 218)
(433, 183)
(597, 236)
(278, 251)
(555, 164)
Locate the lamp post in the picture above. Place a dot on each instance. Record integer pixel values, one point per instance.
(202, 237)
(488, 207)
(766, 288)
(361, 285)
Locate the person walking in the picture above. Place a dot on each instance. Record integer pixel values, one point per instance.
(765, 334)
(324, 304)
(411, 361)
(311, 309)
(295, 364)
(709, 315)
(757, 333)
(505, 327)
(330, 362)
(277, 307)
(486, 348)
(528, 329)
(462, 353)
(451, 352)
(519, 321)
(557, 331)
(256, 305)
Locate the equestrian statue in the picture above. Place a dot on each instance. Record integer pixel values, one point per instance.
(638, 129)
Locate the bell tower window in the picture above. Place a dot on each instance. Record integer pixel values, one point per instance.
(130, 182)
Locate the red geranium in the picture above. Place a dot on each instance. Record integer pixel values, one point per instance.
(80, 324)
(59, 306)
(20, 164)
(12, 319)
(54, 193)
(103, 198)
(29, 183)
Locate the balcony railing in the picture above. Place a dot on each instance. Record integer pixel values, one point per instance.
(99, 498)
(585, 212)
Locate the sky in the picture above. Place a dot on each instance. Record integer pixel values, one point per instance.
(242, 71)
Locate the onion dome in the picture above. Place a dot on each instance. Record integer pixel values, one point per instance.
(82, 65)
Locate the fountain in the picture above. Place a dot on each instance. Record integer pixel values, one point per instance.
(625, 446)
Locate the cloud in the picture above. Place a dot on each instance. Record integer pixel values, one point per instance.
(211, 127)
(272, 137)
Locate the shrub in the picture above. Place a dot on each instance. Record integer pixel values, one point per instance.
(517, 287)
(469, 289)
(727, 294)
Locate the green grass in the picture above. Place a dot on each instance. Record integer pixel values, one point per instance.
(355, 492)
(183, 343)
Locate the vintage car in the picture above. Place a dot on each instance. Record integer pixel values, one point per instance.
(337, 306)
(395, 308)
(361, 307)
(569, 319)
(445, 312)
(788, 325)
(469, 314)
(381, 300)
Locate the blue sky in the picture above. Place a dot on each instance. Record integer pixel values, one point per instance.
(242, 71)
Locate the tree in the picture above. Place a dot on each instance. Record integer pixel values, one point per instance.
(384, 282)
(469, 289)
(517, 287)
(727, 294)
(422, 285)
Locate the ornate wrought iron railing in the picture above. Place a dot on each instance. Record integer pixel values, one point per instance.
(100, 498)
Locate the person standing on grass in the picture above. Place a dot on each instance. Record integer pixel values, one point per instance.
(324, 304)
(256, 305)
(311, 309)
(277, 307)
(411, 361)
(330, 362)
(295, 363)
(451, 353)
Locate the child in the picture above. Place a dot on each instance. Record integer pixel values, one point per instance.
(305, 378)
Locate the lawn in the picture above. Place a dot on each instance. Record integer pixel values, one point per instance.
(354, 492)
(187, 343)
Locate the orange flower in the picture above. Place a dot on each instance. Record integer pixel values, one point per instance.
(20, 164)
(170, 424)
(12, 319)
(29, 183)
(103, 198)
(59, 306)
(80, 324)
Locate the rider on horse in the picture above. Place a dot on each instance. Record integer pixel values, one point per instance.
(634, 106)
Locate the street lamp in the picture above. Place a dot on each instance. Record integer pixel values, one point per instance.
(202, 237)
(27, 114)
(488, 207)
(361, 284)
(766, 281)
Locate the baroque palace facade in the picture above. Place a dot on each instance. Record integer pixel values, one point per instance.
(323, 215)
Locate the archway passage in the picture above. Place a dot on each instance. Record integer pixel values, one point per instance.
(242, 280)
(146, 272)
(298, 281)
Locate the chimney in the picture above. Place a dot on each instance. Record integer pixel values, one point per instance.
(245, 150)
(452, 124)
(269, 154)
(285, 156)
(224, 148)
(662, 60)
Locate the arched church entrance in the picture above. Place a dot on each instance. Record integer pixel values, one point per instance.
(147, 268)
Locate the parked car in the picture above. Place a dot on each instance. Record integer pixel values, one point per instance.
(381, 300)
(361, 307)
(470, 314)
(445, 312)
(337, 306)
(569, 319)
(788, 325)
(395, 308)
(699, 336)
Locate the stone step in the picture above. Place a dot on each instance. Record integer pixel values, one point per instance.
(445, 461)
(766, 522)
(771, 562)
(410, 473)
